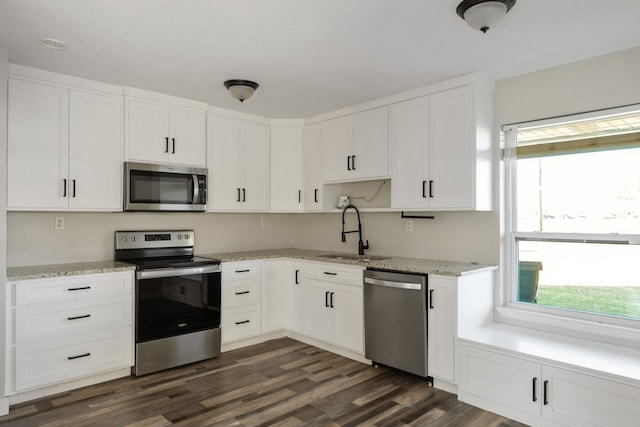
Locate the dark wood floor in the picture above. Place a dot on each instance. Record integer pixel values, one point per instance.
(279, 383)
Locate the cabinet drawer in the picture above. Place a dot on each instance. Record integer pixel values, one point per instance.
(70, 289)
(240, 271)
(36, 322)
(334, 273)
(237, 294)
(242, 322)
(53, 361)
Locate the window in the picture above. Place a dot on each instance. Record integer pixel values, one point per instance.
(574, 214)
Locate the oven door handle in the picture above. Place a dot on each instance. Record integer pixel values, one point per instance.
(172, 272)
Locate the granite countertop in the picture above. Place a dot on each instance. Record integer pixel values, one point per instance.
(61, 270)
(414, 265)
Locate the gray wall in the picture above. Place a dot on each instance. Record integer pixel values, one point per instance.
(89, 236)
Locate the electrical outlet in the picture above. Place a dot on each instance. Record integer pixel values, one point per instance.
(408, 225)
(58, 223)
(263, 222)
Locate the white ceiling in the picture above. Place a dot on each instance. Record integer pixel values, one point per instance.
(309, 56)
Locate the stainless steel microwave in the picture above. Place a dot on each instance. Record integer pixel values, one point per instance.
(155, 187)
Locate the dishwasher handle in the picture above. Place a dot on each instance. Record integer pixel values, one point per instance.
(392, 284)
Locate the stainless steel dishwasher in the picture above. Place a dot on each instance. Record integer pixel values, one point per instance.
(395, 320)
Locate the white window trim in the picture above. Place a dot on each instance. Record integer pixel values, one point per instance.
(599, 326)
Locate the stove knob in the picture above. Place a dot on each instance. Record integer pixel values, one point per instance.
(124, 238)
(179, 236)
(133, 238)
(186, 236)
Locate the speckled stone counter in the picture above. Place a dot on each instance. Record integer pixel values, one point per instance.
(60, 270)
(415, 265)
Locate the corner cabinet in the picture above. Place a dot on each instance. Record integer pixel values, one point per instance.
(163, 133)
(238, 162)
(68, 328)
(356, 147)
(441, 150)
(64, 148)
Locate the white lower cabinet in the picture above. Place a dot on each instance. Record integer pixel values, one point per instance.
(441, 357)
(332, 305)
(61, 329)
(241, 300)
(275, 275)
(541, 394)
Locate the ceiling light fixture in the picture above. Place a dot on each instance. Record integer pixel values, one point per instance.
(241, 89)
(53, 44)
(484, 14)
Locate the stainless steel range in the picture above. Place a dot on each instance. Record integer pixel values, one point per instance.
(177, 299)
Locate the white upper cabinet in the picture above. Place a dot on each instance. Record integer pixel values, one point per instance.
(238, 160)
(441, 150)
(65, 148)
(163, 133)
(356, 147)
(286, 166)
(312, 152)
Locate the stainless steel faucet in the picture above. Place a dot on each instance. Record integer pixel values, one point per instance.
(361, 245)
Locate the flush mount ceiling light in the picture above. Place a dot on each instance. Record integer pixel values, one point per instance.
(241, 89)
(53, 44)
(484, 14)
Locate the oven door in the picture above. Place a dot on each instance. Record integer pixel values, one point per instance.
(172, 302)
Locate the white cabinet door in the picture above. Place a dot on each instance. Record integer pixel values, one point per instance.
(224, 137)
(576, 399)
(504, 380)
(95, 151)
(147, 131)
(312, 151)
(163, 133)
(370, 144)
(441, 357)
(255, 178)
(356, 147)
(275, 277)
(188, 137)
(336, 149)
(238, 162)
(348, 327)
(410, 153)
(38, 136)
(452, 148)
(294, 305)
(440, 151)
(286, 168)
(318, 317)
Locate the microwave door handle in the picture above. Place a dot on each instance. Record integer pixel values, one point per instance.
(196, 189)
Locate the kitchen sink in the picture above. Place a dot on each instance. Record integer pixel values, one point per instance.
(348, 257)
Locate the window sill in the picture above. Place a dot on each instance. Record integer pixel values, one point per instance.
(596, 331)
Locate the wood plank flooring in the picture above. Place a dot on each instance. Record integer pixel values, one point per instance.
(279, 383)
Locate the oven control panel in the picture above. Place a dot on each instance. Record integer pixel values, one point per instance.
(154, 239)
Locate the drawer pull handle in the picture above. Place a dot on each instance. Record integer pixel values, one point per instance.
(84, 316)
(535, 381)
(328, 273)
(243, 293)
(243, 271)
(78, 356)
(242, 322)
(83, 288)
(545, 401)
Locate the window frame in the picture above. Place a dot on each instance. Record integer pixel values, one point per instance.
(524, 310)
